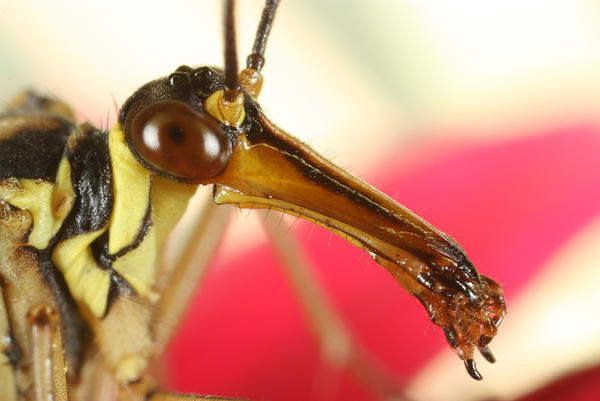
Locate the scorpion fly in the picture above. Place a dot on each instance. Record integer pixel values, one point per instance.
(85, 212)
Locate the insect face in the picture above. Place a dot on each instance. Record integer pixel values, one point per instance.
(169, 131)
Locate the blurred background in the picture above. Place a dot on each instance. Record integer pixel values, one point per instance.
(481, 116)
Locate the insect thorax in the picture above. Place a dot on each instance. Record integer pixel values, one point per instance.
(97, 215)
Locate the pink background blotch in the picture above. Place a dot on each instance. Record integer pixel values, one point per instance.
(510, 203)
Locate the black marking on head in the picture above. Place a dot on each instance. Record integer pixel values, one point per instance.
(189, 85)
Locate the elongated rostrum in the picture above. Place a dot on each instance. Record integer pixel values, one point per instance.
(85, 213)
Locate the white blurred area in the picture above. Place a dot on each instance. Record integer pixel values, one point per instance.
(514, 63)
(88, 52)
(478, 68)
(451, 63)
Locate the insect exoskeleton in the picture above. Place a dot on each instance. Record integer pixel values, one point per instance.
(86, 211)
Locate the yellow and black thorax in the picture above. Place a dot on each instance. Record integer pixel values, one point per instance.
(100, 212)
(98, 215)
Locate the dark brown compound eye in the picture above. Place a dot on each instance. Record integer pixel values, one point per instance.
(177, 140)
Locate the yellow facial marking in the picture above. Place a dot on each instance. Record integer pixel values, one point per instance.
(230, 113)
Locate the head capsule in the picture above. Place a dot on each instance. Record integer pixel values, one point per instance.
(169, 130)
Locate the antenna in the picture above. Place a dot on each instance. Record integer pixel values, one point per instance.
(251, 78)
(228, 105)
(256, 59)
(232, 86)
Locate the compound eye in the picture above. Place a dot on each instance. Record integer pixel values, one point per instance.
(179, 141)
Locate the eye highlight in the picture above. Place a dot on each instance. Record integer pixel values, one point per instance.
(178, 141)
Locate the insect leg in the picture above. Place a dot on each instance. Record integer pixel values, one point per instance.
(337, 344)
(143, 390)
(160, 396)
(32, 306)
(96, 383)
(47, 361)
(8, 388)
(188, 272)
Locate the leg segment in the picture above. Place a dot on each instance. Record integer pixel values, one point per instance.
(180, 286)
(188, 272)
(160, 396)
(338, 346)
(8, 387)
(31, 310)
(47, 361)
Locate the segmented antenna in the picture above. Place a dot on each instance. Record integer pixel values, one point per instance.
(231, 105)
(250, 77)
(232, 86)
(256, 59)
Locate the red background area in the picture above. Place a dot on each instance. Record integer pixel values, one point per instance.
(510, 204)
